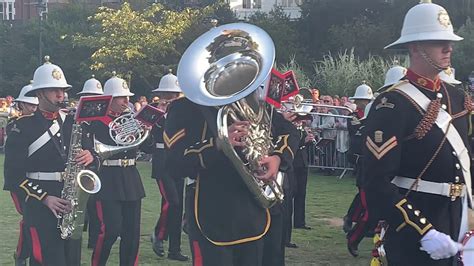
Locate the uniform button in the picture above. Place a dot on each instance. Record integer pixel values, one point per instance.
(409, 206)
(423, 220)
(439, 95)
(444, 106)
(458, 166)
(417, 212)
(455, 154)
(59, 134)
(456, 179)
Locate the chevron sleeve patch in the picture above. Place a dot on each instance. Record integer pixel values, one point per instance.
(384, 148)
(170, 141)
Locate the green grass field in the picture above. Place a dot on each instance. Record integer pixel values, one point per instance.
(327, 201)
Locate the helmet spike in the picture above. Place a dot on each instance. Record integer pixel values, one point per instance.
(425, 1)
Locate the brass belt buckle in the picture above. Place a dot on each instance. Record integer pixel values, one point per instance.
(124, 162)
(455, 190)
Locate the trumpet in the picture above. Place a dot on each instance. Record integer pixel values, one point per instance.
(302, 106)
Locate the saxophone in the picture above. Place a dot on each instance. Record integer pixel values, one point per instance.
(79, 183)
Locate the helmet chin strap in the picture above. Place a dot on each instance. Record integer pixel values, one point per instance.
(50, 104)
(430, 61)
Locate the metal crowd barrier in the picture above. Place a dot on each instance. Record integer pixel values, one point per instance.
(324, 154)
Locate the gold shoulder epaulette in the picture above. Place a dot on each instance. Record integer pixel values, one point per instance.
(22, 116)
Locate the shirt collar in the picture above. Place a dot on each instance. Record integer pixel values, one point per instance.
(424, 82)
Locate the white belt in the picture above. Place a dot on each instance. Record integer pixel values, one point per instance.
(54, 176)
(160, 145)
(444, 189)
(119, 162)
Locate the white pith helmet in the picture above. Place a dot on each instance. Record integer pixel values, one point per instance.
(92, 86)
(26, 99)
(48, 76)
(363, 92)
(394, 74)
(426, 22)
(168, 83)
(448, 76)
(116, 87)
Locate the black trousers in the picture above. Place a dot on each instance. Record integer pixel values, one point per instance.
(287, 209)
(117, 218)
(48, 248)
(23, 247)
(93, 227)
(208, 254)
(301, 176)
(274, 247)
(171, 216)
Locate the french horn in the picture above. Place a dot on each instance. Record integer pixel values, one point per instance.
(226, 67)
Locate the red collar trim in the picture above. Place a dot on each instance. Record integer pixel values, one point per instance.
(424, 82)
(50, 115)
(114, 114)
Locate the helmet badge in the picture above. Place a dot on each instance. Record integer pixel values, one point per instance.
(124, 85)
(56, 74)
(443, 18)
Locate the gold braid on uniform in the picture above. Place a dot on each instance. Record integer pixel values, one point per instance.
(468, 103)
(429, 118)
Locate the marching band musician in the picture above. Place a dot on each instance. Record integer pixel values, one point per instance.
(300, 166)
(171, 189)
(357, 212)
(118, 203)
(26, 106)
(90, 88)
(416, 168)
(230, 222)
(35, 159)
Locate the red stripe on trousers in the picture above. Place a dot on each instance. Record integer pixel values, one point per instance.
(164, 212)
(136, 259)
(101, 237)
(16, 202)
(36, 245)
(197, 256)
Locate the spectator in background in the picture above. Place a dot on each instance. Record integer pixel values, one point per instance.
(336, 100)
(142, 101)
(315, 95)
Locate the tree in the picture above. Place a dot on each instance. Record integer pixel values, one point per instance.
(129, 41)
(462, 59)
(283, 32)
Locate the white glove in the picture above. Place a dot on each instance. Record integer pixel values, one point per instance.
(439, 245)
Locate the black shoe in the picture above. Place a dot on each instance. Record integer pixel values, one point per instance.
(157, 246)
(353, 249)
(177, 256)
(291, 245)
(305, 227)
(347, 224)
(19, 262)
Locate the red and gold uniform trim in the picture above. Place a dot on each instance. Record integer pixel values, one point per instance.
(424, 82)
